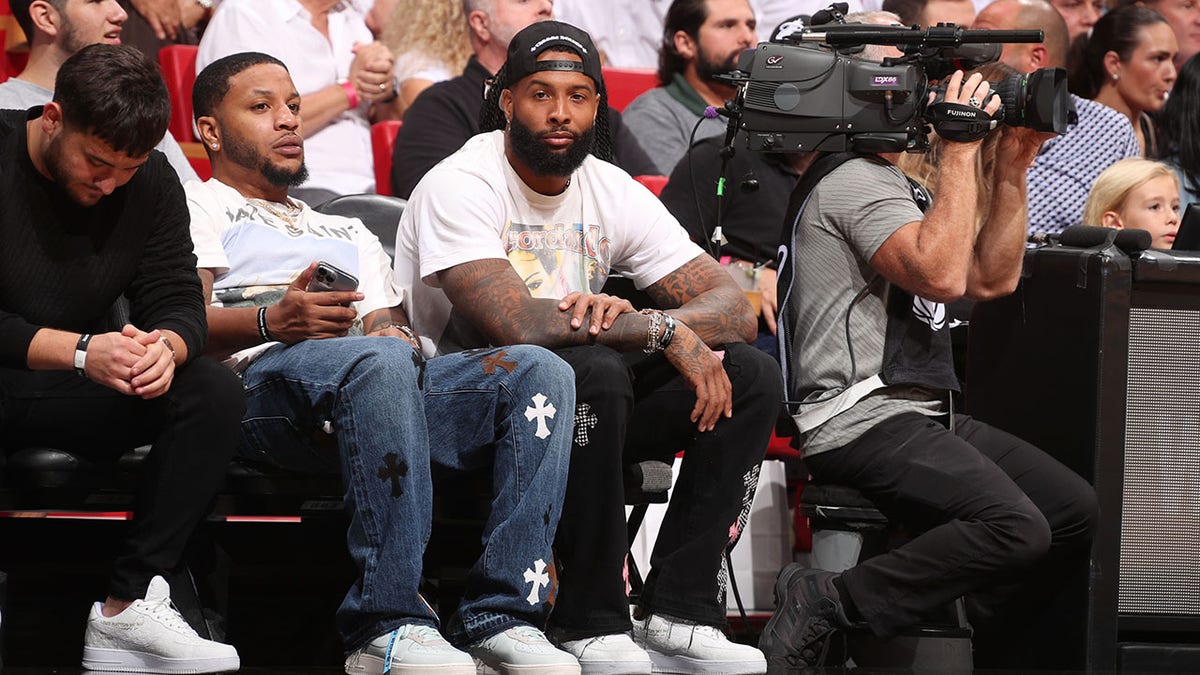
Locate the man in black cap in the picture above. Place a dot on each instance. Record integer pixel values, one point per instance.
(520, 229)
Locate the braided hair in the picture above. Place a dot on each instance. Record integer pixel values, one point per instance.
(491, 117)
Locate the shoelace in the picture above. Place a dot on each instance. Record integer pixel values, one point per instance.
(530, 632)
(164, 611)
(425, 633)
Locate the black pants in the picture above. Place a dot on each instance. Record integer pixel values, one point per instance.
(1000, 521)
(630, 410)
(194, 429)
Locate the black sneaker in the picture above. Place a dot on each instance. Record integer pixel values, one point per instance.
(807, 612)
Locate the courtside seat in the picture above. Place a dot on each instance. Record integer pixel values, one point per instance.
(653, 183)
(626, 84)
(380, 213)
(383, 143)
(178, 63)
(847, 528)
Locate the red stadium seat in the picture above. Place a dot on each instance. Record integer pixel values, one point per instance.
(653, 183)
(178, 63)
(383, 141)
(626, 84)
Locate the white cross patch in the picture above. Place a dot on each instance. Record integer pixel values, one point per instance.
(538, 577)
(542, 411)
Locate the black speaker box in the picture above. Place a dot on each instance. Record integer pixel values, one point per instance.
(1096, 359)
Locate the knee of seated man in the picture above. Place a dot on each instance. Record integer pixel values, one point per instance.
(540, 364)
(753, 372)
(217, 389)
(601, 368)
(1022, 533)
(379, 357)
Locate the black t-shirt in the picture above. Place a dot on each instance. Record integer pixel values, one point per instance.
(446, 115)
(756, 197)
(63, 265)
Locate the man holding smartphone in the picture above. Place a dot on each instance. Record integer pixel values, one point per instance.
(335, 379)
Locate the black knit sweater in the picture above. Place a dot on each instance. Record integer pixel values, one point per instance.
(63, 265)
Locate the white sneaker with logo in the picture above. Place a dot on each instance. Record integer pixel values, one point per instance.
(150, 636)
(607, 654)
(410, 649)
(522, 650)
(677, 646)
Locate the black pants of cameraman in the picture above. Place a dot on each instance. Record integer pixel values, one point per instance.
(637, 411)
(1001, 522)
(194, 429)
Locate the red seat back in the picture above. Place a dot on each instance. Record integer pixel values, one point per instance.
(178, 63)
(653, 183)
(383, 142)
(626, 84)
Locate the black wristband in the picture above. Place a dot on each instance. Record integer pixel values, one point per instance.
(262, 325)
(81, 354)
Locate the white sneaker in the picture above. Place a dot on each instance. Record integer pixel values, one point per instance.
(411, 648)
(676, 646)
(150, 636)
(607, 654)
(521, 650)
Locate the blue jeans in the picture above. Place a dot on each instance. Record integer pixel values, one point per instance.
(391, 414)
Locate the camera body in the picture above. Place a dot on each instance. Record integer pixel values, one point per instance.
(810, 93)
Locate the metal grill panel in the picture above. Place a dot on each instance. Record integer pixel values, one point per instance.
(1160, 513)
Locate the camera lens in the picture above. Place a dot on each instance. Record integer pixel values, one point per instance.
(1038, 100)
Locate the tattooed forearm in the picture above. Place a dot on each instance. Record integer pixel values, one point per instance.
(491, 295)
(382, 318)
(705, 297)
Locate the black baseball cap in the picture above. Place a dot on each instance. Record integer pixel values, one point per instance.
(527, 45)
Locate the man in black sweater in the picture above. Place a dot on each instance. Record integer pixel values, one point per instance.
(445, 115)
(92, 213)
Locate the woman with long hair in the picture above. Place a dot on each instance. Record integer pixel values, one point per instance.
(429, 38)
(1181, 131)
(1127, 64)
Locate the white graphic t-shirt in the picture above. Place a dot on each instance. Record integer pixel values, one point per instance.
(256, 253)
(473, 206)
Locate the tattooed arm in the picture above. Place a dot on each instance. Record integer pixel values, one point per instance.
(490, 294)
(706, 298)
(387, 322)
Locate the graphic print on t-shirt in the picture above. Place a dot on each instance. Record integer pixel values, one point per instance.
(554, 260)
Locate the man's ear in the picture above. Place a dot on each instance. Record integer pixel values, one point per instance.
(45, 18)
(1038, 56)
(210, 133)
(506, 104)
(685, 46)
(52, 118)
(479, 24)
(1112, 219)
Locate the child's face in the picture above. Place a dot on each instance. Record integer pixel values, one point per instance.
(1153, 206)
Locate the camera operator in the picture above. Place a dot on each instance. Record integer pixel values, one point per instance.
(872, 259)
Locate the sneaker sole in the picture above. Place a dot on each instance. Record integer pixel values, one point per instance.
(682, 665)
(483, 668)
(96, 658)
(616, 668)
(373, 665)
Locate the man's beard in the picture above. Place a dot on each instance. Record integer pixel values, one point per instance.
(708, 68)
(53, 160)
(529, 148)
(242, 154)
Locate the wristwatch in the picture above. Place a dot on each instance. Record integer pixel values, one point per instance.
(81, 354)
(167, 341)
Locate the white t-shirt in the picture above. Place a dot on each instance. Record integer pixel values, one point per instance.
(255, 255)
(473, 206)
(339, 155)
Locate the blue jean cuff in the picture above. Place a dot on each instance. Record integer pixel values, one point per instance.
(482, 627)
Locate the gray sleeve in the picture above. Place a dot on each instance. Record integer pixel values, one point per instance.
(177, 160)
(866, 203)
(657, 129)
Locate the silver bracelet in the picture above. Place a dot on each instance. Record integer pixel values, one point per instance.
(408, 332)
(653, 331)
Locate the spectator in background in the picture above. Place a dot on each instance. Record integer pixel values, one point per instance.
(345, 367)
(91, 213)
(446, 115)
(154, 24)
(1063, 172)
(1080, 15)
(701, 39)
(56, 30)
(1136, 194)
(1127, 64)
(429, 39)
(345, 76)
(1184, 17)
(1181, 131)
(926, 13)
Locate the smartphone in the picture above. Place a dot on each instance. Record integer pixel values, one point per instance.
(329, 278)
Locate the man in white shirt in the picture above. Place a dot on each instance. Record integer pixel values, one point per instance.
(333, 379)
(345, 75)
(510, 239)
